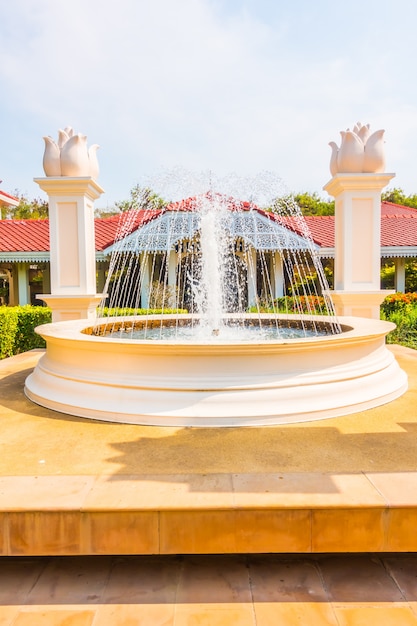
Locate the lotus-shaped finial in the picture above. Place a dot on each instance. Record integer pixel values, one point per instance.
(69, 156)
(359, 151)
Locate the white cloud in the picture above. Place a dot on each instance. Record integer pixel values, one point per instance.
(206, 84)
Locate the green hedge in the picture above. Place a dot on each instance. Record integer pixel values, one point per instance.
(405, 333)
(18, 323)
(401, 308)
(17, 328)
(8, 330)
(292, 304)
(397, 302)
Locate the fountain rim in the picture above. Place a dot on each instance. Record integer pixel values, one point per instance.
(81, 332)
(215, 384)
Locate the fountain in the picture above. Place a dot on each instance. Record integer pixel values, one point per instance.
(234, 357)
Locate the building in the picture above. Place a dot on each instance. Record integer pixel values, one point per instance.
(25, 258)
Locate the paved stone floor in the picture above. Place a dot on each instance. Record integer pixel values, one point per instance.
(255, 590)
(41, 442)
(211, 590)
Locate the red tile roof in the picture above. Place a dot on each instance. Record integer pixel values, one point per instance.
(322, 229)
(107, 229)
(399, 230)
(389, 208)
(33, 235)
(24, 235)
(398, 227)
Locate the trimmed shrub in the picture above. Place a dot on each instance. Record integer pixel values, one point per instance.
(28, 318)
(8, 330)
(292, 304)
(401, 309)
(17, 328)
(398, 302)
(406, 332)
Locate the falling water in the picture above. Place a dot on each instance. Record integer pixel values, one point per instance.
(216, 251)
(209, 292)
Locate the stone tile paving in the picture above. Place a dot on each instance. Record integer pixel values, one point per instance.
(214, 590)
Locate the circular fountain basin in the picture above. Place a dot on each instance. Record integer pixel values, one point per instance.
(215, 382)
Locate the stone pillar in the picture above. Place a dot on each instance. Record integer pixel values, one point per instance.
(72, 246)
(357, 275)
(278, 273)
(172, 278)
(101, 276)
(9, 274)
(14, 287)
(23, 283)
(47, 278)
(145, 280)
(400, 274)
(252, 277)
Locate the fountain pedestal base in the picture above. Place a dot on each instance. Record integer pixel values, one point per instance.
(359, 303)
(217, 383)
(72, 307)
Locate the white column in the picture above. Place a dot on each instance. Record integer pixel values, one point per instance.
(172, 278)
(46, 278)
(145, 280)
(400, 274)
(278, 271)
(23, 284)
(252, 277)
(14, 287)
(101, 276)
(357, 275)
(11, 282)
(72, 246)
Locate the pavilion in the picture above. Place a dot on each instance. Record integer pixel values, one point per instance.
(25, 255)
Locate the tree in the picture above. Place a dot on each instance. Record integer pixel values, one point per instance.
(35, 209)
(309, 203)
(141, 198)
(312, 204)
(397, 196)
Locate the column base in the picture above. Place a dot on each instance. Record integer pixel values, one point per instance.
(359, 303)
(71, 307)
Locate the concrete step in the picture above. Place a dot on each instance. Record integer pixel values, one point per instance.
(208, 514)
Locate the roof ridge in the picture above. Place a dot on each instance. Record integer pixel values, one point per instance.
(399, 216)
(9, 195)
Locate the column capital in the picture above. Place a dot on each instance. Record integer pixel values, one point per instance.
(357, 182)
(70, 186)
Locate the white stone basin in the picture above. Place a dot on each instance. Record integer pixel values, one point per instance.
(217, 383)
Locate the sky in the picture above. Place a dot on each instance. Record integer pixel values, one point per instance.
(242, 89)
